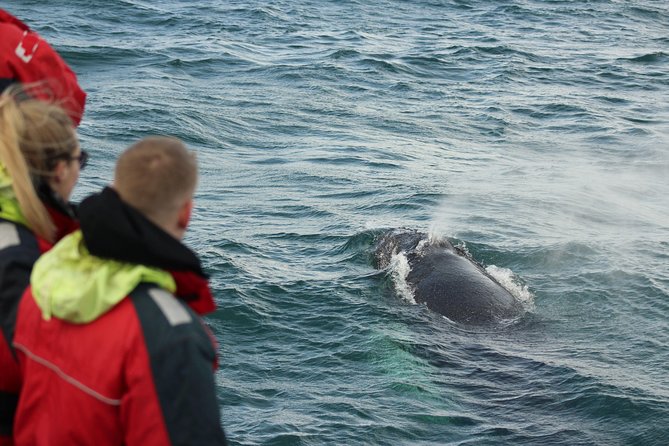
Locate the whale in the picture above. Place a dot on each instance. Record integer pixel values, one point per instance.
(447, 279)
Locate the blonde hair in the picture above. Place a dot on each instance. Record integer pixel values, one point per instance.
(33, 134)
(157, 175)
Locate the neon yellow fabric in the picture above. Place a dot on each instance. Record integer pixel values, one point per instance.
(71, 284)
(9, 206)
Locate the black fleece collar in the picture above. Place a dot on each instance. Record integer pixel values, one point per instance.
(53, 201)
(115, 230)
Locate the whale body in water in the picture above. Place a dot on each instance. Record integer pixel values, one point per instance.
(447, 279)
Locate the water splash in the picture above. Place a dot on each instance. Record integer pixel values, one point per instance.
(399, 270)
(512, 283)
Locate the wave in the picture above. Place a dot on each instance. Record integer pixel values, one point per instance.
(658, 57)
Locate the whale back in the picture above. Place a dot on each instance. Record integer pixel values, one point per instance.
(447, 279)
(455, 286)
(393, 242)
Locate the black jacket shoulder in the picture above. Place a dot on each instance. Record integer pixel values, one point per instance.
(18, 252)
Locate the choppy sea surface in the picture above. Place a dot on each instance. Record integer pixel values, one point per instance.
(535, 133)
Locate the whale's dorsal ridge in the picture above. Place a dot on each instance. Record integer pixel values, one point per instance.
(446, 278)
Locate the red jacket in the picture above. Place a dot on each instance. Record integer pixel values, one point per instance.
(141, 374)
(27, 58)
(135, 369)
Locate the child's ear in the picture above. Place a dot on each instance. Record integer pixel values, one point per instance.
(185, 214)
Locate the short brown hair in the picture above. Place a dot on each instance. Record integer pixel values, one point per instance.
(156, 176)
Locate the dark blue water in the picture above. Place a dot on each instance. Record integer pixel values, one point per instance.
(535, 133)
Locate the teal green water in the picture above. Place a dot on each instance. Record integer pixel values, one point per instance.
(536, 133)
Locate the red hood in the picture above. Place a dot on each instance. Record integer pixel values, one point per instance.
(65, 225)
(194, 290)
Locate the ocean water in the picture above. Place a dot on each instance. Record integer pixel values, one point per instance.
(534, 133)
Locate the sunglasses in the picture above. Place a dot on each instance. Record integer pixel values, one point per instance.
(82, 158)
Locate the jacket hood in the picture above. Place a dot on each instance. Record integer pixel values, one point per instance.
(115, 230)
(91, 270)
(73, 285)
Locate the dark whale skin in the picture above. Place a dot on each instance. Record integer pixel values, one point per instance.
(448, 280)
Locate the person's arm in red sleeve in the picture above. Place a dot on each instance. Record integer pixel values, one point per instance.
(26, 58)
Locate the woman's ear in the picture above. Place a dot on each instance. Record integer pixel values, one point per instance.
(59, 172)
(63, 179)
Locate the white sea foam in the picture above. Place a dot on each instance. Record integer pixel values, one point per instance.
(510, 281)
(422, 244)
(399, 270)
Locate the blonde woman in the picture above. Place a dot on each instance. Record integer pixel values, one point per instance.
(40, 160)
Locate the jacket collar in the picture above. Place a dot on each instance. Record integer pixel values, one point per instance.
(73, 285)
(63, 215)
(115, 230)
